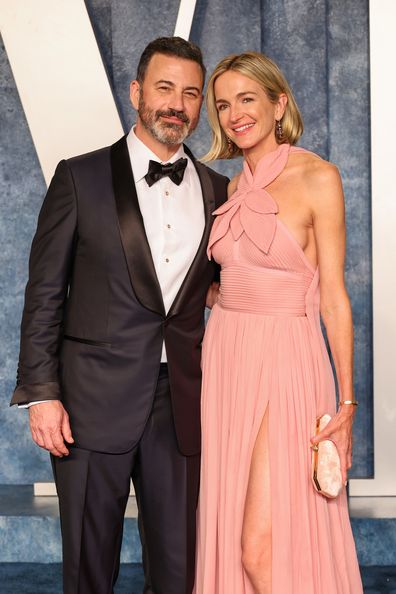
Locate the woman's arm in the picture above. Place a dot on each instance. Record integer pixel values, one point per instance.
(329, 230)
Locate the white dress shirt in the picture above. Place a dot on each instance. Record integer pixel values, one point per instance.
(174, 220)
(173, 217)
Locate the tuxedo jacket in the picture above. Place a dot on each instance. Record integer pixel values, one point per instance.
(94, 321)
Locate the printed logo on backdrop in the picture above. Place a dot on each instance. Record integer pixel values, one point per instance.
(47, 80)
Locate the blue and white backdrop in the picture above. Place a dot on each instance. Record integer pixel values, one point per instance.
(65, 68)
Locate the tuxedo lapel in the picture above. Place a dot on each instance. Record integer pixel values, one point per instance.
(209, 207)
(133, 236)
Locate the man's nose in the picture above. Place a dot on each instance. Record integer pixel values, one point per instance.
(177, 101)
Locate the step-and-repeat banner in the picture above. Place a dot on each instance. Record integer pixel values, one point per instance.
(64, 90)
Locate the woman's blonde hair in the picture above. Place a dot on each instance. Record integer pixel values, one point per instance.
(266, 73)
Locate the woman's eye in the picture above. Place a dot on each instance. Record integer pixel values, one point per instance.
(247, 99)
(221, 107)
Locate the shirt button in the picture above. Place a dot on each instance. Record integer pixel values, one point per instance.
(168, 226)
(166, 259)
(166, 193)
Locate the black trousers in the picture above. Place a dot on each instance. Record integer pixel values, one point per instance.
(93, 490)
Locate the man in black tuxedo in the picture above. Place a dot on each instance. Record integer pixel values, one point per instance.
(112, 328)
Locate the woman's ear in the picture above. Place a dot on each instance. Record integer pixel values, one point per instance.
(281, 106)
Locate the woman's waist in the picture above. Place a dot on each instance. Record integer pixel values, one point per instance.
(263, 290)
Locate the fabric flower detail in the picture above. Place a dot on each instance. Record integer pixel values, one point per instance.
(251, 209)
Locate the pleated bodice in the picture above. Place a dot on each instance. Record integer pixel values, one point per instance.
(264, 269)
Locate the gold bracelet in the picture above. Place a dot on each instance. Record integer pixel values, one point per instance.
(353, 402)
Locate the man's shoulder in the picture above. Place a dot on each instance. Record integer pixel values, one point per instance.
(215, 175)
(219, 183)
(93, 158)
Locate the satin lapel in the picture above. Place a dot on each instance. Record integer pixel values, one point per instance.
(209, 207)
(133, 236)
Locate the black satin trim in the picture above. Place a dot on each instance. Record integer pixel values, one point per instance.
(208, 195)
(137, 252)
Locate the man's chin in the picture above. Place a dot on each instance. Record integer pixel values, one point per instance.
(169, 134)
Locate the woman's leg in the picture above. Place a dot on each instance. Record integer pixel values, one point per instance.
(257, 525)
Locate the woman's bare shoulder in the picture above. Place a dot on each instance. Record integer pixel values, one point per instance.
(315, 173)
(314, 169)
(323, 182)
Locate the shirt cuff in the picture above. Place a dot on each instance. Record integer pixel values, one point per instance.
(29, 404)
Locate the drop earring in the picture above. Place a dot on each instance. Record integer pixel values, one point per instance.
(278, 130)
(230, 145)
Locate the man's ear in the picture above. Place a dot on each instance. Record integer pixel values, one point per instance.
(134, 93)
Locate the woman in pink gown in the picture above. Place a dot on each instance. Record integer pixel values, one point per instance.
(262, 528)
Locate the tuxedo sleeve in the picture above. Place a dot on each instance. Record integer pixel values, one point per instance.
(46, 291)
(216, 275)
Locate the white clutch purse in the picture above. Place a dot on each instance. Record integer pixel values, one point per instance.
(326, 467)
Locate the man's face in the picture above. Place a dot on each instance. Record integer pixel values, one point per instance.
(169, 99)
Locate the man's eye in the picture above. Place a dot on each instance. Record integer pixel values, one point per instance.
(163, 88)
(191, 94)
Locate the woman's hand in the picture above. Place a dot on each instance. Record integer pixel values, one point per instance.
(212, 295)
(339, 430)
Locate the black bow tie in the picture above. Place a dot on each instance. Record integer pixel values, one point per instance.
(173, 170)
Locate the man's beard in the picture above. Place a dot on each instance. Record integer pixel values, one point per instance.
(165, 132)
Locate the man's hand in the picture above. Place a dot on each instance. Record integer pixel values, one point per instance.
(50, 427)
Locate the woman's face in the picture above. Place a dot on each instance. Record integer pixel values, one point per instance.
(245, 113)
